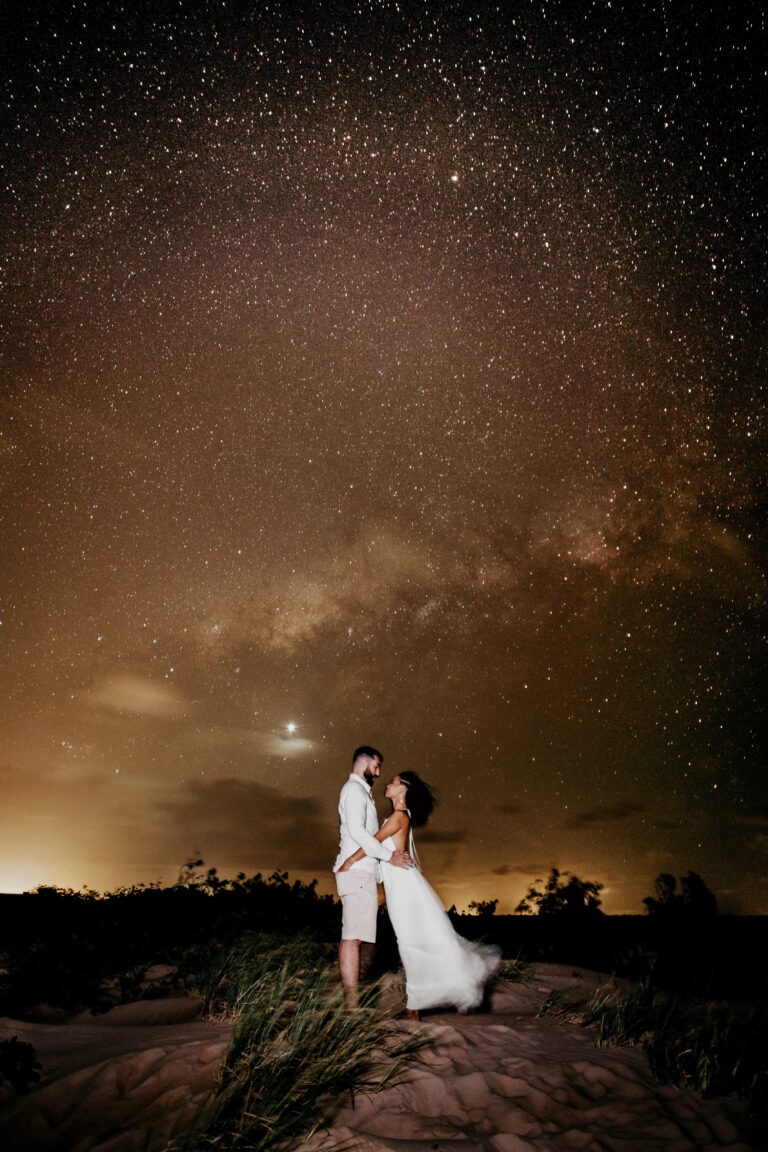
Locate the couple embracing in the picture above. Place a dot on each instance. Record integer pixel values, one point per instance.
(442, 969)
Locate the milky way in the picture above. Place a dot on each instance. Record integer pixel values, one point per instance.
(393, 373)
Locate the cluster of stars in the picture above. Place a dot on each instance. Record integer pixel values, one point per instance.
(394, 369)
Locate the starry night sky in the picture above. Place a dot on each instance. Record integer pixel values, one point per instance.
(394, 372)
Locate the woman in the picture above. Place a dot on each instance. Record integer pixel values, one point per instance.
(441, 967)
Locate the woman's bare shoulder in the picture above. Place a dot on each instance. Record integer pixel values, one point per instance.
(397, 820)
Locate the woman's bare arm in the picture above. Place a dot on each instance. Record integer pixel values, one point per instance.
(390, 826)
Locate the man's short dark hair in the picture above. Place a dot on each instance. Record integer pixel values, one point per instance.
(366, 750)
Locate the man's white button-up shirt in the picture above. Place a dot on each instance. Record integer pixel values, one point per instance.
(359, 825)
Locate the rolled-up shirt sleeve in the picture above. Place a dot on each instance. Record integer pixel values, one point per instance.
(355, 805)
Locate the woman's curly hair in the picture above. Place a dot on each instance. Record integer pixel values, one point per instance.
(418, 797)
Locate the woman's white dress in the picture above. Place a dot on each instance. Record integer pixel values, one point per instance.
(441, 967)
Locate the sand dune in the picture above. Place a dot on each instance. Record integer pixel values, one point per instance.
(501, 1081)
(512, 1082)
(123, 1082)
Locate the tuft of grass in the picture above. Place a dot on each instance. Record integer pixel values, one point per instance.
(716, 1054)
(223, 976)
(623, 1019)
(705, 1047)
(296, 1050)
(554, 1006)
(558, 1006)
(515, 970)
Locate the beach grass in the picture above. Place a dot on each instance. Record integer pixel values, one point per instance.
(715, 1049)
(296, 1050)
(515, 970)
(555, 1006)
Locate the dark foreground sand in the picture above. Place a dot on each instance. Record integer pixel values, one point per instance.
(504, 1081)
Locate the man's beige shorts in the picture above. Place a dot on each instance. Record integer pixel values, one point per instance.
(359, 904)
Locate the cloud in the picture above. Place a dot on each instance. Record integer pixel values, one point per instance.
(250, 825)
(670, 825)
(287, 745)
(757, 818)
(535, 869)
(55, 788)
(606, 814)
(280, 742)
(430, 837)
(136, 696)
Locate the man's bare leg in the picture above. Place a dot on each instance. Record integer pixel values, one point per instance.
(349, 969)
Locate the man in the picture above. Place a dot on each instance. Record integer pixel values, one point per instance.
(357, 887)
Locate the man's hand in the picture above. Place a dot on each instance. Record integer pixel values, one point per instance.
(401, 860)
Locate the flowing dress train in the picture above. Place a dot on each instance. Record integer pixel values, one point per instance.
(441, 968)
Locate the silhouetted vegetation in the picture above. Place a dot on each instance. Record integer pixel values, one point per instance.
(691, 948)
(693, 900)
(562, 897)
(76, 950)
(482, 908)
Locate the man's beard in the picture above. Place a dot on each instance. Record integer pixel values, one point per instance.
(369, 777)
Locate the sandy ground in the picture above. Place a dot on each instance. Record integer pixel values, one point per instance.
(501, 1081)
(126, 1081)
(510, 1081)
